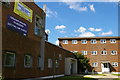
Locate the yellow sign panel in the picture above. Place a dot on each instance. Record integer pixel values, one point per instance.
(23, 11)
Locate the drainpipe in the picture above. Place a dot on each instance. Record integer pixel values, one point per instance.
(42, 43)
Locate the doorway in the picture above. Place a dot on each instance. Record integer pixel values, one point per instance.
(105, 67)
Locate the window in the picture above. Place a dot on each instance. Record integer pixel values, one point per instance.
(103, 40)
(104, 52)
(60, 57)
(65, 41)
(56, 63)
(6, 3)
(9, 59)
(94, 64)
(115, 64)
(113, 52)
(75, 51)
(28, 61)
(84, 52)
(49, 63)
(74, 41)
(94, 52)
(112, 40)
(38, 30)
(93, 41)
(39, 63)
(84, 41)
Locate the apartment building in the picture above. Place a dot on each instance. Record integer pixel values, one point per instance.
(26, 53)
(103, 52)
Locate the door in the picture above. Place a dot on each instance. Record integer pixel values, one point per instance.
(105, 67)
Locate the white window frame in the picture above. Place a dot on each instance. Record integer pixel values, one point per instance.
(95, 64)
(50, 63)
(75, 51)
(84, 52)
(83, 41)
(28, 66)
(114, 53)
(74, 41)
(95, 52)
(111, 40)
(57, 63)
(60, 56)
(5, 59)
(104, 52)
(38, 30)
(65, 41)
(101, 41)
(94, 40)
(115, 64)
(39, 61)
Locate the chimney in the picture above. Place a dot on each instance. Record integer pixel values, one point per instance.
(44, 8)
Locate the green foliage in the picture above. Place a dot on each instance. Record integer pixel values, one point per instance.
(83, 62)
(1, 78)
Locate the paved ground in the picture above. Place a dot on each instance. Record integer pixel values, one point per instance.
(102, 76)
(97, 77)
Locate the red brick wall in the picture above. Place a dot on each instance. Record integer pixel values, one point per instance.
(12, 41)
(95, 47)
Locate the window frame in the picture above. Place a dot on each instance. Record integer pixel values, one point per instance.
(60, 56)
(38, 29)
(85, 53)
(50, 63)
(14, 58)
(31, 61)
(103, 42)
(39, 62)
(57, 63)
(115, 52)
(114, 63)
(82, 41)
(112, 42)
(94, 40)
(65, 41)
(103, 52)
(93, 64)
(74, 41)
(95, 52)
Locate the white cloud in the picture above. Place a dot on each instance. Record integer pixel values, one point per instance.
(60, 27)
(81, 29)
(47, 31)
(57, 42)
(92, 8)
(75, 6)
(62, 31)
(87, 34)
(93, 29)
(106, 33)
(50, 13)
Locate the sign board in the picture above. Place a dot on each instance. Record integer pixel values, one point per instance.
(17, 25)
(23, 10)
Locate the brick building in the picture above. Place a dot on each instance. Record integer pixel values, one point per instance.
(103, 52)
(25, 51)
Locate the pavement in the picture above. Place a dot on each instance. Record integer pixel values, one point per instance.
(102, 77)
(96, 77)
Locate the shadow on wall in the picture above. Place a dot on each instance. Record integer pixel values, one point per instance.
(112, 69)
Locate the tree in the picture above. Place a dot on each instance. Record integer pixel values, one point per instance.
(83, 62)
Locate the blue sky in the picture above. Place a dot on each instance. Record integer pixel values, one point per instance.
(80, 19)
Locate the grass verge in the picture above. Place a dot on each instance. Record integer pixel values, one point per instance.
(116, 74)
